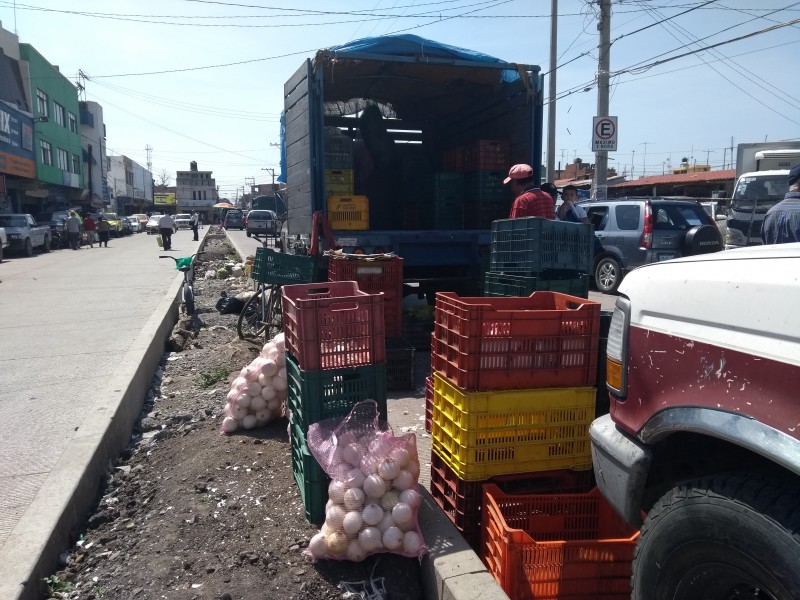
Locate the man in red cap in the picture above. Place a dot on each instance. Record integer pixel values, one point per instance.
(530, 200)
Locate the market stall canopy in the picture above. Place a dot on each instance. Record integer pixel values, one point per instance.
(223, 205)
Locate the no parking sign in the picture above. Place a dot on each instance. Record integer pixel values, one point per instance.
(604, 134)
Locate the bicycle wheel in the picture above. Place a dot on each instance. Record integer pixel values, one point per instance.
(188, 300)
(273, 314)
(251, 320)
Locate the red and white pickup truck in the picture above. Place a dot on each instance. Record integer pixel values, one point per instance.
(24, 234)
(701, 448)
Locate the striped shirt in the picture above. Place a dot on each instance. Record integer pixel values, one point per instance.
(782, 223)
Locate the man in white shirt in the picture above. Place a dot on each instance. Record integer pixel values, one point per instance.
(165, 227)
(194, 223)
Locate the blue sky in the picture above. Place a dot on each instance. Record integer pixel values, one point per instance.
(226, 118)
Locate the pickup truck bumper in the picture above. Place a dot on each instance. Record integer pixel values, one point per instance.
(621, 464)
(16, 244)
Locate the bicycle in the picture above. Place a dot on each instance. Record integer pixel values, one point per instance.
(186, 266)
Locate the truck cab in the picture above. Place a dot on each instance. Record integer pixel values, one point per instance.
(755, 193)
(701, 447)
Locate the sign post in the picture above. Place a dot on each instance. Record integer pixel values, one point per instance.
(604, 134)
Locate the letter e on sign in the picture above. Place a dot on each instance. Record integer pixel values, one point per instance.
(604, 134)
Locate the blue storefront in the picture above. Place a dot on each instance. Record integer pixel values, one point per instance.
(17, 160)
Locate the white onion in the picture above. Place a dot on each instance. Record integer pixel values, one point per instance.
(352, 522)
(249, 372)
(239, 381)
(393, 538)
(263, 380)
(325, 529)
(388, 469)
(403, 481)
(336, 490)
(318, 546)
(263, 416)
(337, 543)
(328, 504)
(279, 383)
(274, 405)
(268, 392)
(413, 468)
(249, 421)
(387, 521)
(369, 464)
(229, 424)
(345, 439)
(334, 517)
(411, 497)
(375, 486)
(372, 514)
(232, 395)
(353, 453)
(257, 403)
(281, 360)
(355, 478)
(355, 552)
(370, 538)
(244, 400)
(389, 499)
(282, 373)
(354, 499)
(412, 524)
(270, 345)
(238, 412)
(269, 368)
(272, 353)
(402, 513)
(279, 341)
(411, 542)
(401, 456)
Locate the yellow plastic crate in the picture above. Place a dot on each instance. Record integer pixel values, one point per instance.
(483, 434)
(348, 212)
(339, 182)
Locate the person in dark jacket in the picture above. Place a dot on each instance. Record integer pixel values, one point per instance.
(782, 223)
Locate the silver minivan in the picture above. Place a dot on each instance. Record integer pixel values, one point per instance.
(631, 232)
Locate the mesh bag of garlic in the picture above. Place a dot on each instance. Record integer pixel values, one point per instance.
(258, 394)
(374, 494)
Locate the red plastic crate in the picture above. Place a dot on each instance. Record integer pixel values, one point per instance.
(558, 546)
(545, 340)
(373, 274)
(428, 403)
(490, 154)
(333, 325)
(461, 500)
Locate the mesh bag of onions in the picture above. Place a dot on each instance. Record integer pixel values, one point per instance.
(258, 394)
(373, 496)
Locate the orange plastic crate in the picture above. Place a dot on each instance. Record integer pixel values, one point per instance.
(333, 325)
(348, 212)
(556, 547)
(545, 340)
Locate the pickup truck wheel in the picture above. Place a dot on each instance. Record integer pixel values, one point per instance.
(720, 538)
(28, 248)
(607, 275)
(46, 245)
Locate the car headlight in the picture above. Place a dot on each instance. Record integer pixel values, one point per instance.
(14, 236)
(734, 237)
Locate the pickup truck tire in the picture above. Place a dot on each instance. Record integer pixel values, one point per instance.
(722, 537)
(607, 274)
(46, 245)
(27, 248)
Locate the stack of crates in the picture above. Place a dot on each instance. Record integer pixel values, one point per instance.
(338, 150)
(448, 200)
(335, 358)
(513, 396)
(534, 254)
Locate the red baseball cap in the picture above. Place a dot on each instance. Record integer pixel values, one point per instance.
(519, 172)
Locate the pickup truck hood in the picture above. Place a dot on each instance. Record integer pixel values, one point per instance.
(13, 230)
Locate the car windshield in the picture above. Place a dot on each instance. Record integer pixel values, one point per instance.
(12, 221)
(110, 217)
(260, 214)
(759, 193)
(183, 216)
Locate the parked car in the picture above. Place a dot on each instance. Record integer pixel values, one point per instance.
(152, 224)
(234, 219)
(24, 234)
(631, 232)
(700, 447)
(125, 226)
(55, 219)
(3, 242)
(142, 220)
(264, 222)
(135, 225)
(115, 224)
(182, 220)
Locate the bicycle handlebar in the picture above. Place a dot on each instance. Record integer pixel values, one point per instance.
(178, 258)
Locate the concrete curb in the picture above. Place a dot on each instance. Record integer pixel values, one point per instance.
(451, 570)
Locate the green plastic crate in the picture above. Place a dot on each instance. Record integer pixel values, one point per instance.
(530, 245)
(399, 365)
(283, 269)
(574, 283)
(311, 480)
(318, 395)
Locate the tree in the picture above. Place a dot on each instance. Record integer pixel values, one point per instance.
(163, 179)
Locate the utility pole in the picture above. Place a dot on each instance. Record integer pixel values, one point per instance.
(604, 65)
(272, 171)
(551, 110)
(644, 158)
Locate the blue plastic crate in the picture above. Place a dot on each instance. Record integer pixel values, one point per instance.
(530, 245)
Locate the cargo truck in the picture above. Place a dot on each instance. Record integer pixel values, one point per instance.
(761, 172)
(403, 143)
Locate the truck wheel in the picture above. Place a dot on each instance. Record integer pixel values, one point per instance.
(46, 245)
(28, 248)
(607, 275)
(732, 536)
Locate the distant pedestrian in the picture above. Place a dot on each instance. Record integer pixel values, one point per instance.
(530, 200)
(782, 223)
(194, 223)
(166, 225)
(90, 227)
(73, 230)
(103, 229)
(569, 210)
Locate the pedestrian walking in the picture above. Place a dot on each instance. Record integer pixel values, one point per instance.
(73, 230)
(103, 229)
(194, 223)
(782, 223)
(166, 225)
(90, 227)
(530, 200)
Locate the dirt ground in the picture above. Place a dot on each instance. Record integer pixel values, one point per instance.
(186, 513)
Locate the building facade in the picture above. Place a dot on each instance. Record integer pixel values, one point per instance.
(130, 186)
(93, 135)
(56, 135)
(196, 191)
